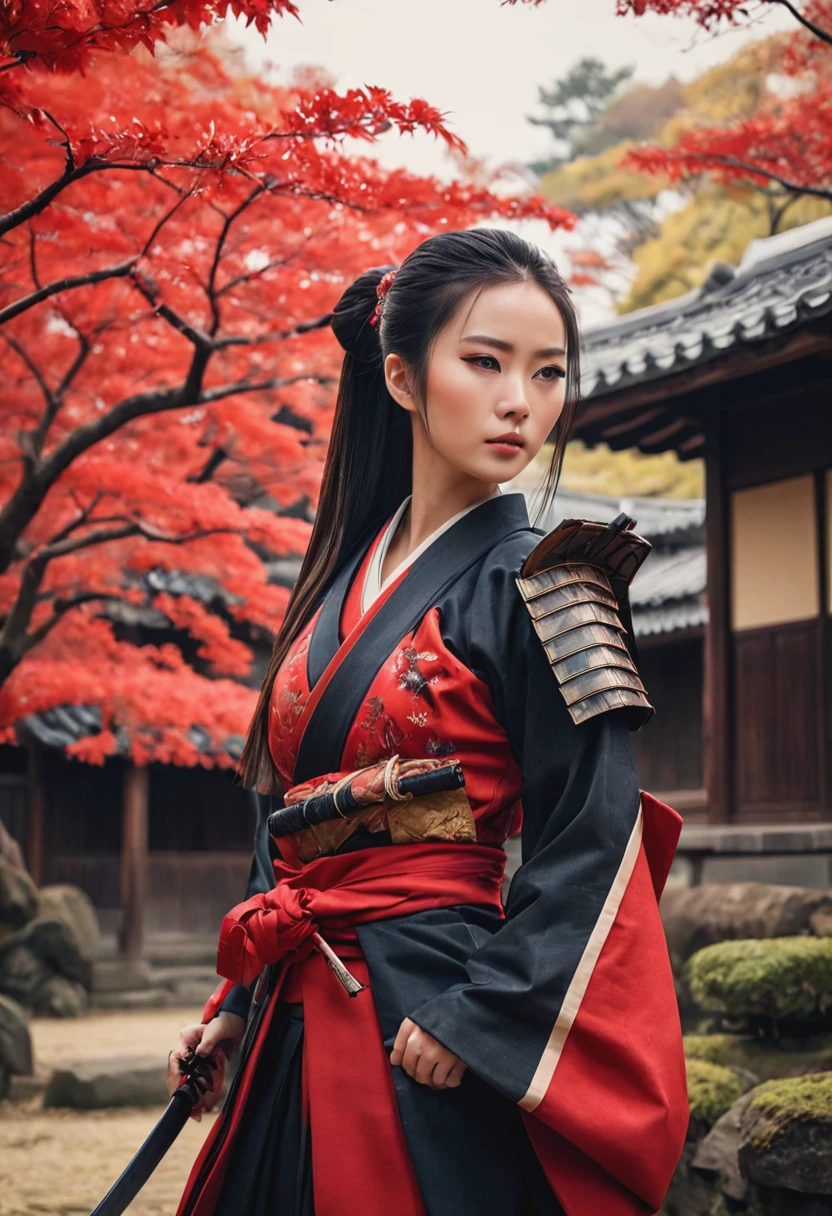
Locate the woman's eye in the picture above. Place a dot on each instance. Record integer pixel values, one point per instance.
(550, 373)
(487, 362)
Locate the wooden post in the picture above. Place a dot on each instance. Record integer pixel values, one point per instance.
(717, 701)
(134, 842)
(822, 512)
(35, 813)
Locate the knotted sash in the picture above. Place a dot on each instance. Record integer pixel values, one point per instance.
(360, 1163)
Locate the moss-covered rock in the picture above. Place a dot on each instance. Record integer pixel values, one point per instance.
(765, 984)
(786, 1135)
(766, 1060)
(712, 1089)
(696, 917)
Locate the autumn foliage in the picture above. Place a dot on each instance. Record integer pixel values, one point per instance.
(787, 148)
(174, 236)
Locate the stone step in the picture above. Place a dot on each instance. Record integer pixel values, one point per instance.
(96, 1084)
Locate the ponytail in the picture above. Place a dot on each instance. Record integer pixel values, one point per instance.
(367, 473)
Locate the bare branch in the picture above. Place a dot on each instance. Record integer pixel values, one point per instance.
(249, 274)
(21, 351)
(249, 386)
(119, 271)
(150, 291)
(217, 457)
(732, 162)
(212, 277)
(824, 35)
(304, 327)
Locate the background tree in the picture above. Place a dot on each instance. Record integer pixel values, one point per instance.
(785, 148)
(174, 236)
(573, 107)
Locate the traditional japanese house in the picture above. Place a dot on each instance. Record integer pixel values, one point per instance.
(739, 371)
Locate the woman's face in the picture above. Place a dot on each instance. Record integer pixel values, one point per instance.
(497, 367)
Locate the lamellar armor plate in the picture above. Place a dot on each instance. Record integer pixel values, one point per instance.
(575, 584)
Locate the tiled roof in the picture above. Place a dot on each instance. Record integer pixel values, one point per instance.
(782, 282)
(66, 724)
(655, 517)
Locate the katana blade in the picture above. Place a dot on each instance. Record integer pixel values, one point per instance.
(125, 1189)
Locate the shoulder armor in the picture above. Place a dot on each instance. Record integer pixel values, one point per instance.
(575, 585)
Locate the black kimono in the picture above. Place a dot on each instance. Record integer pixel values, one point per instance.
(562, 1007)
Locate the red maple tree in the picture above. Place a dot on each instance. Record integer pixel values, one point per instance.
(787, 148)
(174, 237)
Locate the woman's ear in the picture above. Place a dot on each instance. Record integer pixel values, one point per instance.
(398, 385)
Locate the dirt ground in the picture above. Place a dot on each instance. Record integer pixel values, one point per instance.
(61, 1162)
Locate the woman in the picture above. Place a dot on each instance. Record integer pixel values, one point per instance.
(527, 1062)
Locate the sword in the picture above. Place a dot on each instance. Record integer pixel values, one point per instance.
(125, 1189)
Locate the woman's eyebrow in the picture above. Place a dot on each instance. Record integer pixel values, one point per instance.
(499, 344)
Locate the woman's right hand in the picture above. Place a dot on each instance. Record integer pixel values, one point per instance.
(215, 1038)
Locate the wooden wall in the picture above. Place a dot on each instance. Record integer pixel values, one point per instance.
(200, 831)
(668, 749)
(778, 721)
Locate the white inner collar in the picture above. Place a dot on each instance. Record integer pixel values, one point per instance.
(373, 585)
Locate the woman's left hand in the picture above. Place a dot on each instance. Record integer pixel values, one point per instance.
(425, 1059)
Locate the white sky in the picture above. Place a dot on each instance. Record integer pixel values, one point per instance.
(481, 62)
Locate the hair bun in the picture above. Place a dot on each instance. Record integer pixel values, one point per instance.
(351, 316)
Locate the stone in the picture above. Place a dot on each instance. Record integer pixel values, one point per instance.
(695, 917)
(24, 1089)
(142, 998)
(51, 941)
(15, 1041)
(74, 908)
(10, 850)
(712, 1090)
(97, 1084)
(786, 1135)
(121, 975)
(821, 922)
(716, 1156)
(689, 1193)
(766, 985)
(18, 896)
(60, 997)
(22, 973)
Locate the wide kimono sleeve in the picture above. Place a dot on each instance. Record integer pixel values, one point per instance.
(570, 1009)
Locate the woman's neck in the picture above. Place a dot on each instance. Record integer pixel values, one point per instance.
(428, 511)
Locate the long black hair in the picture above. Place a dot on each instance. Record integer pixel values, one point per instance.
(368, 468)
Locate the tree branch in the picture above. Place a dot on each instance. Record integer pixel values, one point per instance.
(119, 271)
(732, 162)
(824, 35)
(212, 277)
(150, 291)
(304, 327)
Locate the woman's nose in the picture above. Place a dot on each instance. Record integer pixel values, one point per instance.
(514, 406)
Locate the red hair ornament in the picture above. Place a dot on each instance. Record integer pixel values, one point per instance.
(385, 283)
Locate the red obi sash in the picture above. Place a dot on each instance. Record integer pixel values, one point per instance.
(360, 1162)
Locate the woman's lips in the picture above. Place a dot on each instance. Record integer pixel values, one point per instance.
(504, 447)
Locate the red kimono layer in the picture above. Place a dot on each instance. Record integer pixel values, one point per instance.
(565, 1008)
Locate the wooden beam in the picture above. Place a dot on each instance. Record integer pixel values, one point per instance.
(35, 815)
(822, 509)
(682, 428)
(134, 848)
(717, 700)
